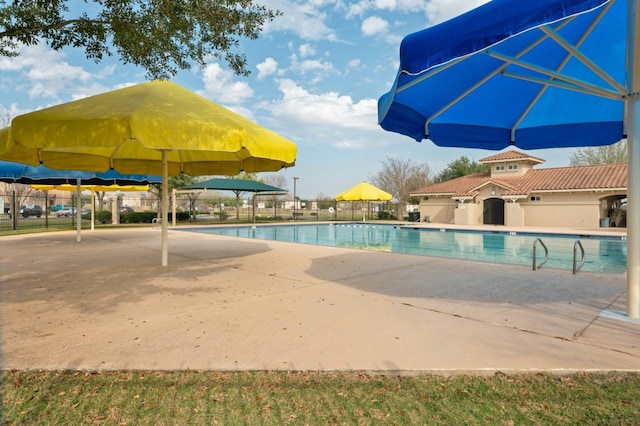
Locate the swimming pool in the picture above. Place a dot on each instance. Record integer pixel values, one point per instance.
(602, 254)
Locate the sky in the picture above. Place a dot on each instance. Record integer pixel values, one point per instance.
(317, 72)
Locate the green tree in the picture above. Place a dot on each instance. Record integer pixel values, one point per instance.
(161, 36)
(461, 167)
(607, 154)
(400, 177)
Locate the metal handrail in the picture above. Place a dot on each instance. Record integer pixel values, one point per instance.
(546, 254)
(575, 252)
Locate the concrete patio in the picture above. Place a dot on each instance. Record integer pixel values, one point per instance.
(228, 303)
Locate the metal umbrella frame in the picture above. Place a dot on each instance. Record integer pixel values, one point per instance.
(543, 74)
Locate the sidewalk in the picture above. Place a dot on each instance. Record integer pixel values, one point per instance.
(237, 304)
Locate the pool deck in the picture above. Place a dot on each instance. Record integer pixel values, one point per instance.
(227, 303)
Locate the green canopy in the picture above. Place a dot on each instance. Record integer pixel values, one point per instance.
(244, 185)
(235, 185)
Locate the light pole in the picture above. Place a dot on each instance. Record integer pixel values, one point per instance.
(295, 179)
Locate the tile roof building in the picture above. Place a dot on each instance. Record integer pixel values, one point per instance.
(514, 193)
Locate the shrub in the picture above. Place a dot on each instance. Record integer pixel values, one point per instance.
(103, 216)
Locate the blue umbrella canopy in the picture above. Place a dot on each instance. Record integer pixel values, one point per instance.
(537, 74)
(22, 173)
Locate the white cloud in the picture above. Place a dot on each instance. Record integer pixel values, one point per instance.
(354, 63)
(404, 6)
(374, 25)
(220, 87)
(329, 117)
(306, 50)
(266, 68)
(441, 10)
(305, 20)
(316, 68)
(45, 73)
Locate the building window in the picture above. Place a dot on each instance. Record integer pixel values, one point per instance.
(513, 167)
(535, 198)
(499, 168)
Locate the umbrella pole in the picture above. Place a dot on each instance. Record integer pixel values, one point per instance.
(78, 212)
(93, 209)
(165, 209)
(633, 163)
(633, 209)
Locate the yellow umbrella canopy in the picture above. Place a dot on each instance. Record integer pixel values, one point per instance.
(151, 128)
(364, 192)
(128, 129)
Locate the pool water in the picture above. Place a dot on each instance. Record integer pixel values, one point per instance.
(602, 254)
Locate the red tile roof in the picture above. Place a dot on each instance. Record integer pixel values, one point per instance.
(603, 176)
(510, 155)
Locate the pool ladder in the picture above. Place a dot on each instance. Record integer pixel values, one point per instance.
(577, 245)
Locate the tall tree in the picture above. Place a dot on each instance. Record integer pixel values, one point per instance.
(461, 167)
(607, 154)
(400, 177)
(161, 36)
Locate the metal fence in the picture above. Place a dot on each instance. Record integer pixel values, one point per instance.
(55, 209)
(277, 208)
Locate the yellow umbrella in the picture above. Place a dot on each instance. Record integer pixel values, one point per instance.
(93, 189)
(151, 128)
(364, 192)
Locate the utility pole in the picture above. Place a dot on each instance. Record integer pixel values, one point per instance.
(295, 179)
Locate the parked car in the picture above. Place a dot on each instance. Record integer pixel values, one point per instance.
(29, 211)
(66, 212)
(126, 209)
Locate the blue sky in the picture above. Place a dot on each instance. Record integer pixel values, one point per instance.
(316, 75)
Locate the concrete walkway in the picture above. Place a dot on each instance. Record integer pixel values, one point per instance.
(238, 304)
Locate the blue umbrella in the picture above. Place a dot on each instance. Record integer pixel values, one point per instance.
(533, 74)
(11, 172)
(22, 173)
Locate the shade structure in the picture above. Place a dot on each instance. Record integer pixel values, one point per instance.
(237, 185)
(364, 192)
(543, 74)
(244, 185)
(155, 127)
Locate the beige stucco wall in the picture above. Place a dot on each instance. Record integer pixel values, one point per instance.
(560, 209)
(439, 209)
(513, 214)
(578, 210)
(466, 214)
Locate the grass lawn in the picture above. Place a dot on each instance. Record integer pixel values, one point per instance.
(316, 398)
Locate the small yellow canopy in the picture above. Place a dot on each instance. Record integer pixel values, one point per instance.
(364, 192)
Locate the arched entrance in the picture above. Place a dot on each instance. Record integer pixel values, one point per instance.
(493, 211)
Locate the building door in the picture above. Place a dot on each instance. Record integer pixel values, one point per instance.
(493, 211)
